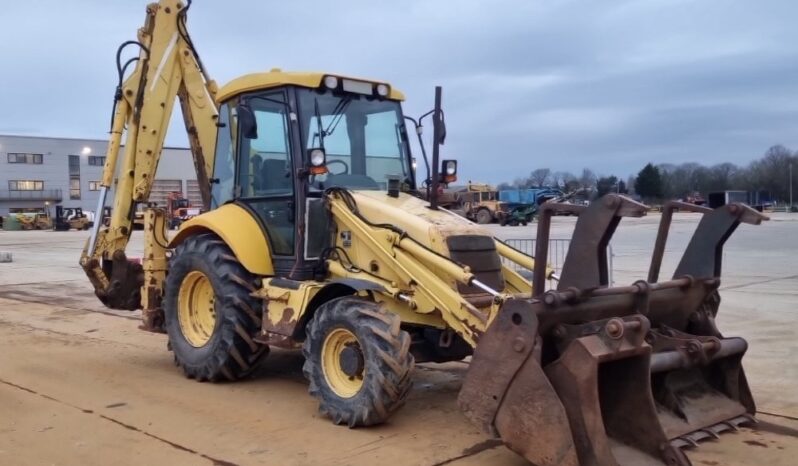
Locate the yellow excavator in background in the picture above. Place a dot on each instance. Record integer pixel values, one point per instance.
(316, 236)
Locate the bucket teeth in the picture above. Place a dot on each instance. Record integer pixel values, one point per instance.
(691, 440)
(749, 419)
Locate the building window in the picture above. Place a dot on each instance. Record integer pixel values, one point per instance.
(74, 187)
(74, 177)
(74, 165)
(16, 157)
(96, 160)
(25, 185)
(94, 185)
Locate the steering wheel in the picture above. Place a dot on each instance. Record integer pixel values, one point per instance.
(346, 166)
(331, 162)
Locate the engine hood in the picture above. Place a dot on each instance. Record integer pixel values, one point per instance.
(413, 215)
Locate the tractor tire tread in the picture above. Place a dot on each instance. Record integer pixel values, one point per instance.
(231, 353)
(388, 361)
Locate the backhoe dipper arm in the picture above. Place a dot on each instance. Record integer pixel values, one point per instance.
(167, 67)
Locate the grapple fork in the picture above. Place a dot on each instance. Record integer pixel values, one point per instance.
(589, 374)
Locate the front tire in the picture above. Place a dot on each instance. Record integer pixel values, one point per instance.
(211, 318)
(358, 361)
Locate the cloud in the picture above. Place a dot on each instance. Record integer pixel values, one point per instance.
(527, 84)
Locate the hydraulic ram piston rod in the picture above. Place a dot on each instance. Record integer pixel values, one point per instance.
(98, 220)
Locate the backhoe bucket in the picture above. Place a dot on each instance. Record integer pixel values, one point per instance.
(592, 375)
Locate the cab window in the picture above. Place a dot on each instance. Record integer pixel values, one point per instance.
(265, 178)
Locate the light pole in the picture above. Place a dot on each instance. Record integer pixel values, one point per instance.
(790, 186)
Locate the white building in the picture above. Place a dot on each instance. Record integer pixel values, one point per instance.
(42, 171)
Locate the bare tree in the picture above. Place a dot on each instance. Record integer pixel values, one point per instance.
(540, 177)
(630, 184)
(768, 176)
(520, 183)
(588, 180)
(723, 176)
(561, 179)
(607, 184)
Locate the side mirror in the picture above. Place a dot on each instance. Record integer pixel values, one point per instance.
(246, 121)
(448, 171)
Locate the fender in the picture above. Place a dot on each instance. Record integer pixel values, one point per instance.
(334, 288)
(239, 230)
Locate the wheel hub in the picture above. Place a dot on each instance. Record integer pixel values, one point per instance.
(342, 362)
(351, 361)
(196, 311)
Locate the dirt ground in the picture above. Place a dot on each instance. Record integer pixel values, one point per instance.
(80, 384)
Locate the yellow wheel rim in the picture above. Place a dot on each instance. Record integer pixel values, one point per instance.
(335, 344)
(195, 308)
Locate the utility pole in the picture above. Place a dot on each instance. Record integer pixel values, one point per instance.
(790, 186)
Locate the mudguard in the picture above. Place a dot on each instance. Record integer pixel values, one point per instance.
(239, 230)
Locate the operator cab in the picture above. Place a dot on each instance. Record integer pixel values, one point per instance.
(285, 138)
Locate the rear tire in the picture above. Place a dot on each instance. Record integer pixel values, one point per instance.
(358, 361)
(210, 316)
(484, 216)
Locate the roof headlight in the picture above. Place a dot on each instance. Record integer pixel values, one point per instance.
(317, 160)
(317, 157)
(382, 90)
(450, 167)
(331, 82)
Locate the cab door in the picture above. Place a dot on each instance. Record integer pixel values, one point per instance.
(264, 173)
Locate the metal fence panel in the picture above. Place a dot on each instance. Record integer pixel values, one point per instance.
(558, 250)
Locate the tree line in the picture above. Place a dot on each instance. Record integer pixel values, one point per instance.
(768, 175)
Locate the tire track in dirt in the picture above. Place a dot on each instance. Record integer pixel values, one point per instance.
(214, 461)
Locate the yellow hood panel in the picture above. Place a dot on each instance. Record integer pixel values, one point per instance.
(413, 215)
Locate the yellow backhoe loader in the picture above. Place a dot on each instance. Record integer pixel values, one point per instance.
(315, 236)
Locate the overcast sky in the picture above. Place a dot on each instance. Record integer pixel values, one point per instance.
(608, 85)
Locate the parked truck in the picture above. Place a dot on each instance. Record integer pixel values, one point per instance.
(520, 205)
(480, 202)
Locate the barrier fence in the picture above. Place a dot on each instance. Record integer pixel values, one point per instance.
(558, 250)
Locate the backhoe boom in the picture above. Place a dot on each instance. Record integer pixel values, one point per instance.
(167, 67)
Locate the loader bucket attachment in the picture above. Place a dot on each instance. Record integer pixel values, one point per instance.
(507, 393)
(599, 375)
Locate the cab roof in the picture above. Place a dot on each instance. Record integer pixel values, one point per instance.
(277, 77)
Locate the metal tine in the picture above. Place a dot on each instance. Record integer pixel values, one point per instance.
(711, 433)
(750, 418)
(718, 428)
(732, 425)
(703, 256)
(687, 439)
(681, 443)
(585, 265)
(698, 435)
(664, 229)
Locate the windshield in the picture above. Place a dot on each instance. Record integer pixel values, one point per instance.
(363, 137)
